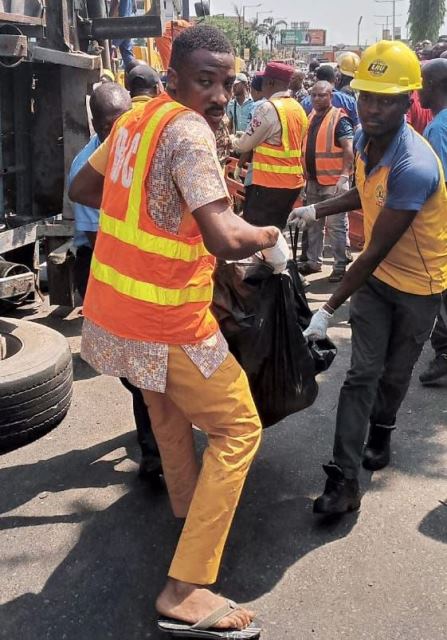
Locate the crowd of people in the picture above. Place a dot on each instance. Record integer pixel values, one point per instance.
(153, 213)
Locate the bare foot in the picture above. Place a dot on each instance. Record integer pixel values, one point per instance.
(190, 603)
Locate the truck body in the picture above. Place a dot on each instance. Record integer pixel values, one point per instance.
(51, 54)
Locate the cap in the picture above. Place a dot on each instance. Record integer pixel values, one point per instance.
(241, 77)
(144, 74)
(278, 71)
(256, 82)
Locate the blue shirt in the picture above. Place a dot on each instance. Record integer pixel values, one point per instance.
(436, 133)
(86, 218)
(240, 114)
(414, 172)
(341, 101)
(126, 8)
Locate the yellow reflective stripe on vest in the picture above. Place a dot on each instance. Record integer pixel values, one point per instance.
(134, 203)
(279, 106)
(278, 153)
(147, 242)
(147, 292)
(274, 168)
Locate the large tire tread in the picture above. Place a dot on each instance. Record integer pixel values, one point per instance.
(36, 384)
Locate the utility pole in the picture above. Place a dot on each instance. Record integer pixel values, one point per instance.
(392, 2)
(386, 25)
(358, 31)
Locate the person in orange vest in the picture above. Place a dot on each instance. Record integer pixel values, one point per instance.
(274, 137)
(165, 215)
(328, 159)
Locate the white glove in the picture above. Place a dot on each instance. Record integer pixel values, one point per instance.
(237, 173)
(342, 185)
(278, 255)
(234, 138)
(317, 328)
(302, 216)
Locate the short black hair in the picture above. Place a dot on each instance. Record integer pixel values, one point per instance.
(326, 72)
(110, 96)
(201, 36)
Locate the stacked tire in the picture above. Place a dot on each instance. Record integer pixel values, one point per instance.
(36, 382)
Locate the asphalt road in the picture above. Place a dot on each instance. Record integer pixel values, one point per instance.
(84, 546)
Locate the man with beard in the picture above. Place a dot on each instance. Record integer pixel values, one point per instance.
(397, 282)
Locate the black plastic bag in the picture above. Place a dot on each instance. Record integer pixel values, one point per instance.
(262, 316)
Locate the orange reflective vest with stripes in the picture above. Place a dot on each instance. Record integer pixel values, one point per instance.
(328, 157)
(146, 283)
(280, 166)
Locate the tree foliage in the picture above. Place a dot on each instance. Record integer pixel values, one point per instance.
(241, 38)
(425, 19)
(270, 29)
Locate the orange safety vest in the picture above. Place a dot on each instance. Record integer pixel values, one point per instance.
(328, 157)
(146, 283)
(279, 166)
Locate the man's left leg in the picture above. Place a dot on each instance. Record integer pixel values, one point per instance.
(222, 406)
(336, 230)
(150, 464)
(371, 322)
(437, 368)
(413, 320)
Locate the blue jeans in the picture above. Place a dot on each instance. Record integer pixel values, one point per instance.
(336, 229)
(126, 50)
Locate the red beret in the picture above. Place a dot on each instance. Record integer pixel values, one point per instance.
(279, 71)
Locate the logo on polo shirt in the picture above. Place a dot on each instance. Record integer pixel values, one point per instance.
(377, 68)
(380, 195)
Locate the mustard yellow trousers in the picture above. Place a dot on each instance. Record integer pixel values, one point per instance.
(207, 495)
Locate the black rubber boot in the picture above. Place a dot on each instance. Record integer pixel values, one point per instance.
(340, 494)
(377, 452)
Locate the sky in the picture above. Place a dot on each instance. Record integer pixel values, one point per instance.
(338, 17)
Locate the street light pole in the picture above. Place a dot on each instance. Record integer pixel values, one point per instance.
(358, 31)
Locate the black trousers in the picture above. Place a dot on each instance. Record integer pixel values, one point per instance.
(82, 269)
(439, 335)
(389, 328)
(146, 439)
(265, 206)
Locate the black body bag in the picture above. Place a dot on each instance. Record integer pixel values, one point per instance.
(262, 316)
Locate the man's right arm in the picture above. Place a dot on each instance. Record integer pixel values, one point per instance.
(229, 237)
(348, 201)
(87, 187)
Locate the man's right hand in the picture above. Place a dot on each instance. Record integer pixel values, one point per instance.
(278, 255)
(302, 216)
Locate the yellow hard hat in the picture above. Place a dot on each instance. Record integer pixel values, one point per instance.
(349, 63)
(389, 67)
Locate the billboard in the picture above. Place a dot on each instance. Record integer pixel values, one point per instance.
(298, 37)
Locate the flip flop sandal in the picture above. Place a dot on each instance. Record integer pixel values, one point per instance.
(205, 630)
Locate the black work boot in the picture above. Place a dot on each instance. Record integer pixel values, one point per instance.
(377, 452)
(437, 369)
(340, 494)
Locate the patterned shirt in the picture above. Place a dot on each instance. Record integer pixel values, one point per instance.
(185, 175)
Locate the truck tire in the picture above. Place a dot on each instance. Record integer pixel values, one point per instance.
(36, 382)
